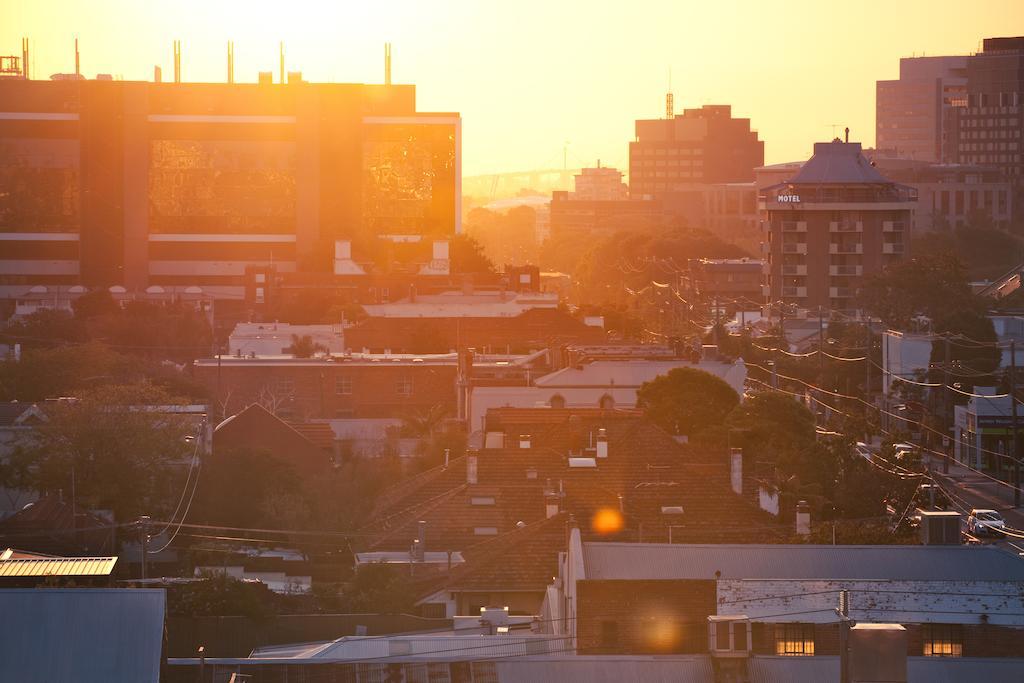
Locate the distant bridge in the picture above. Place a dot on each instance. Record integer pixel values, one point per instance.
(501, 185)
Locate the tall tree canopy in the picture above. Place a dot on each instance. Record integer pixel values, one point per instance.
(687, 401)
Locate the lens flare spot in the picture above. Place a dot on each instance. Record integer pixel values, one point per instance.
(607, 521)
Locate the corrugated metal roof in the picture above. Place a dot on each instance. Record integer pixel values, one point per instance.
(768, 669)
(763, 669)
(908, 562)
(58, 566)
(93, 635)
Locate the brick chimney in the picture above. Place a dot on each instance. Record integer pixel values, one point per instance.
(471, 469)
(736, 470)
(803, 518)
(602, 443)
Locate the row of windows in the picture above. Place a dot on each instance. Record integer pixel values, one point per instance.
(673, 174)
(988, 147)
(990, 123)
(669, 151)
(995, 159)
(997, 134)
(670, 162)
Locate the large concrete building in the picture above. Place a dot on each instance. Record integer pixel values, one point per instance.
(699, 146)
(138, 185)
(916, 114)
(991, 124)
(833, 223)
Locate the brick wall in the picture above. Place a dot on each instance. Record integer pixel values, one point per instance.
(643, 617)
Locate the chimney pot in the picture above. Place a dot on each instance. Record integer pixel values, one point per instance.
(471, 469)
(803, 518)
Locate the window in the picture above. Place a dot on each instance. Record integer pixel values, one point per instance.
(942, 640)
(557, 401)
(403, 387)
(794, 639)
(609, 635)
(485, 531)
(343, 385)
(481, 500)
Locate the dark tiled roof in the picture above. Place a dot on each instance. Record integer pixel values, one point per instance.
(645, 471)
(10, 411)
(48, 526)
(318, 433)
(257, 428)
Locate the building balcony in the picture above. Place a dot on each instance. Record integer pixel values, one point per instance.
(794, 269)
(841, 292)
(794, 226)
(857, 248)
(846, 226)
(795, 292)
(893, 226)
(846, 270)
(794, 248)
(893, 248)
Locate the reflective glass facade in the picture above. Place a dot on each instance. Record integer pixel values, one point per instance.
(39, 185)
(409, 179)
(222, 186)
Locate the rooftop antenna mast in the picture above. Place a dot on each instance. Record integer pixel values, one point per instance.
(177, 61)
(387, 63)
(670, 105)
(231, 61)
(78, 70)
(281, 51)
(24, 59)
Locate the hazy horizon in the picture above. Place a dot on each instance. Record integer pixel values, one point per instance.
(793, 70)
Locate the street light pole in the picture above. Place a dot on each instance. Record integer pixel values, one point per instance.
(1013, 424)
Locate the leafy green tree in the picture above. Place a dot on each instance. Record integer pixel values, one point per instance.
(114, 449)
(94, 304)
(379, 588)
(686, 401)
(467, 256)
(768, 423)
(933, 285)
(220, 595)
(304, 347)
(47, 327)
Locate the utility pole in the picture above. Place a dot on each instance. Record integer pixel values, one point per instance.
(718, 322)
(844, 636)
(1013, 424)
(144, 541)
(867, 359)
(821, 343)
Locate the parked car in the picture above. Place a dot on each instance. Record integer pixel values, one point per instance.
(983, 522)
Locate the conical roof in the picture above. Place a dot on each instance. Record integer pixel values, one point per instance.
(840, 163)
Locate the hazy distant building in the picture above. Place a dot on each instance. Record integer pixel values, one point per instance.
(991, 124)
(601, 183)
(953, 195)
(916, 114)
(195, 185)
(835, 222)
(701, 146)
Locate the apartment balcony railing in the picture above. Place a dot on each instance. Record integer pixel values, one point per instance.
(857, 248)
(794, 226)
(794, 248)
(846, 226)
(841, 292)
(794, 269)
(846, 270)
(893, 226)
(892, 248)
(797, 292)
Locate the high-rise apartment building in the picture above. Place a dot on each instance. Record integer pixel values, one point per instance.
(700, 146)
(916, 114)
(836, 221)
(141, 185)
(992, 122)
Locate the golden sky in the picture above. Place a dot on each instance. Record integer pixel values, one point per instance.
(530, 75)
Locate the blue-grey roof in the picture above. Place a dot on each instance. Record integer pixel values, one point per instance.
(838, 162)
(869, 562)
(84, 635)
